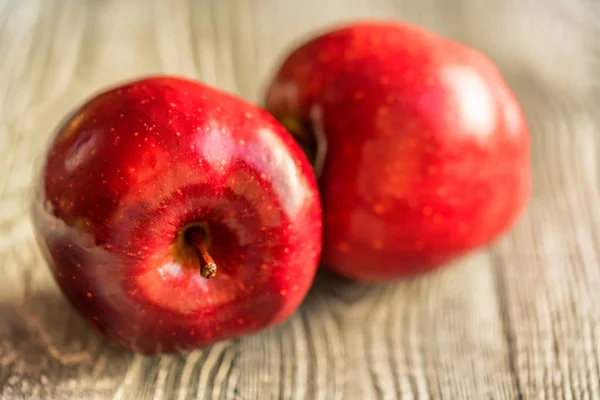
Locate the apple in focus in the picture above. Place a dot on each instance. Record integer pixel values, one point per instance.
(174, 215)
(422, 150)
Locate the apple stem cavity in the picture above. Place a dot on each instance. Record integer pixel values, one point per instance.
(208, 267)
(308, 134)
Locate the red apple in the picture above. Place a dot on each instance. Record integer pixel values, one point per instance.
(174, 215)
(422, 148)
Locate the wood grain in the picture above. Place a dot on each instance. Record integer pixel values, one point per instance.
(518, 320)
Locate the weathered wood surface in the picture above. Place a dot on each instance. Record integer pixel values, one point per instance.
(520, 320)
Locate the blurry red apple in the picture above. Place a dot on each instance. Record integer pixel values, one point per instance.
(422, 148)
(174, 215)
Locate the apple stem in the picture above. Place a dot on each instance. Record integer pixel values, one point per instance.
(208, 267)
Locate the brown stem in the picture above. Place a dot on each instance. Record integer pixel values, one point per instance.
(208, 268)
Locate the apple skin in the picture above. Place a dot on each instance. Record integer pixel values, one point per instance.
(131, 169)
(427, 149)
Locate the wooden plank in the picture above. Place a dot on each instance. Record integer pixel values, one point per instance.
(447, 335)
(550, 269)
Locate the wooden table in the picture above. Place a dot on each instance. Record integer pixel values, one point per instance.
(518, 320)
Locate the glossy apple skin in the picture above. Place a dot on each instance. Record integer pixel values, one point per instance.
(130, 169)
(428, 151)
